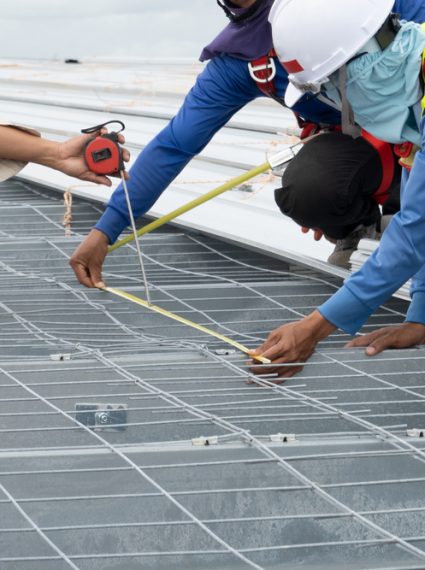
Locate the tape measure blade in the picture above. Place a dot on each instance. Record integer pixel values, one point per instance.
(184, 321)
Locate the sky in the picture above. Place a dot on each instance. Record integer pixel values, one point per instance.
(62, 29)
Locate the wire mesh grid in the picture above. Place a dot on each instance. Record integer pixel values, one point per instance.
(128, 441)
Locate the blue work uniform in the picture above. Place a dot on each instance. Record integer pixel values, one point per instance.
(222, 89)
(400, 256)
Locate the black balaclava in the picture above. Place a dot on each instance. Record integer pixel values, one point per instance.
(330, 183)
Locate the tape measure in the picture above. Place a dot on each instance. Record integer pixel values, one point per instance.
(104, 154)
(133, 299)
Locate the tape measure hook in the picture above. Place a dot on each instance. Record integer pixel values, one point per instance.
(96, 128)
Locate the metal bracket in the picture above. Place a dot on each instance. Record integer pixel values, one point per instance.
(213, 440)
(111, 417)
(60, 357)
(224, 351)
(416, 432)
(281, 158)
(282, 437)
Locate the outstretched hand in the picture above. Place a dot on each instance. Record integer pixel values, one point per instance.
(290, 345)
(399, 336)
(87, 260)
(70, 158)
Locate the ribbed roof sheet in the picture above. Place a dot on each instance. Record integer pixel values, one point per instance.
(129, 441)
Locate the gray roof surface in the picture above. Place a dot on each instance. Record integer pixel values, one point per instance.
(102, 404)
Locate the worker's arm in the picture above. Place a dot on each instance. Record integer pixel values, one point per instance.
(407, 334)
(220, 91)
(291, 345)
(67, 157)
(401, 255)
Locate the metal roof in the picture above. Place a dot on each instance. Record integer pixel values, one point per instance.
(130, 441)
(59, 100)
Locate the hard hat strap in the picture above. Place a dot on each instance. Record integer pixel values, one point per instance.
(237, 18)
(348, 124)
(388, 31)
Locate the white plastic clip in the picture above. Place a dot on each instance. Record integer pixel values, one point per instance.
(282, 437)
(416, 432)
(269, 67)
(284, 156)
(205, 440)
(60, 357)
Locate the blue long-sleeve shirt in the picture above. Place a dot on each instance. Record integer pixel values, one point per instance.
(401, 255)
(222, 89)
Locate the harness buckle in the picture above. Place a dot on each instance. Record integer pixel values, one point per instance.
(266, 71)
(406, 152)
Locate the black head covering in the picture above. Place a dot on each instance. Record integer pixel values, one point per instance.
(329, 185)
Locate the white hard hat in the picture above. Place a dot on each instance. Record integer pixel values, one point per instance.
(314, 38)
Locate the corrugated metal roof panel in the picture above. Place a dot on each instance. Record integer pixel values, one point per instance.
(128, 440)
(59, 100)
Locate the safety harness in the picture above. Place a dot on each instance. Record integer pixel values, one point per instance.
(407, 151)
(263, 71)
(386, 156)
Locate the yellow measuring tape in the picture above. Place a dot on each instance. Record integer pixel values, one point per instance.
(276, 160)
(156, 309)
(194, 204)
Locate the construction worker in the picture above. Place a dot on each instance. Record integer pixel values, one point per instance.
(20, 145)
(336, 185)
(361, 55)
(226, 84)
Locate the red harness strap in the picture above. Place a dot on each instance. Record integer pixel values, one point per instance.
(386, 155)
(263, 72)
(406, 152)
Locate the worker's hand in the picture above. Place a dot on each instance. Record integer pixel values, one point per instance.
(88, 258)
(70, 160)
(318, 234)
(399, 336)
(292, 344)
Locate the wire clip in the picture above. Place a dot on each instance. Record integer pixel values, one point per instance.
(282, 437)
(60, 357)
(416, 432)
(199, 441)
